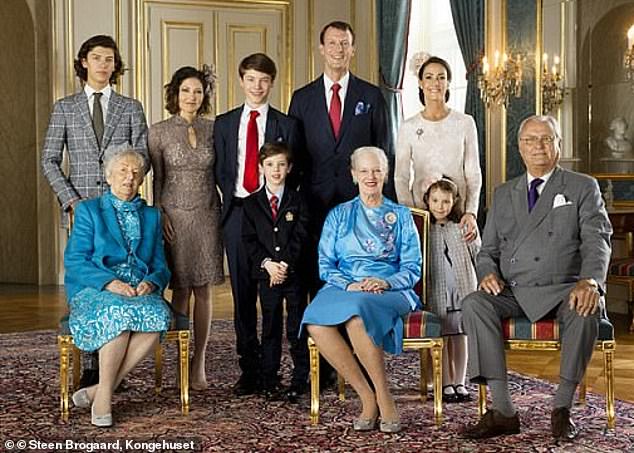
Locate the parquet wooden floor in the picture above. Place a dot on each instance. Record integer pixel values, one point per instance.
(26, 308)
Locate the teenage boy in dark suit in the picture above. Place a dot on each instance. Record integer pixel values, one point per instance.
(238, 136)
(274, 230)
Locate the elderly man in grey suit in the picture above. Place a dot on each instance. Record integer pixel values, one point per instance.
(86, 124)
(545, 252)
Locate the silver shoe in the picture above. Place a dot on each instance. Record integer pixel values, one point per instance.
(364, 424)
(390, 427)
(81, 398)
(102, 421)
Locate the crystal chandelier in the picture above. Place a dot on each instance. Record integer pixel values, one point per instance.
(498, 83)
(552, 89)
(628, 58)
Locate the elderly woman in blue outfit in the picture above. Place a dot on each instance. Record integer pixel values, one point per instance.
(370, 259)
(115, 275)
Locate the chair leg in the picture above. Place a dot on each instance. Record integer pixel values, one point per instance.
(583, 388)
(64, 361)
(341, 387)
(423, 375)
(183, 355)
(76, 367)
(158, 368)
(314, 382)
(482, 399)
(608, 366)
(436, 357)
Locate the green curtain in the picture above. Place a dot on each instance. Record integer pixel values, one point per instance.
(468, 19)
(392, 26)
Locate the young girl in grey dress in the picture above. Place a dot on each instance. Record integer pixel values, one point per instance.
(453, 276)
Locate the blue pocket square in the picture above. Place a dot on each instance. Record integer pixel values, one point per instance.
(361, 108)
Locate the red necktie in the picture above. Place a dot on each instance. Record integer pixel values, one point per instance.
(251, 177)
(273, 202)
(335, 110)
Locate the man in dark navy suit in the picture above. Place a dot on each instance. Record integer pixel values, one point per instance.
(337, 114)
(238, 135)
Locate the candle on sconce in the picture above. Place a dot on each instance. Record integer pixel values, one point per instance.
(485, 65)
(497, 58)
(630, 37)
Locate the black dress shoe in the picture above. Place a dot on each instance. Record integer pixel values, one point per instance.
(246, 385)
(275, 392)
(449, 397)
(492, 424)
(561, 425)
(89, 378)
(295, 391)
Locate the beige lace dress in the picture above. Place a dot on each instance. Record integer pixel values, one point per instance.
(185, 191)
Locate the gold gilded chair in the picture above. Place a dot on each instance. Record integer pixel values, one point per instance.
(421, 331)
(544, 335)
(178, 332)
(621, 272)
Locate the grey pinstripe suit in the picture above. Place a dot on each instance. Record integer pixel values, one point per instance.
(70, 126)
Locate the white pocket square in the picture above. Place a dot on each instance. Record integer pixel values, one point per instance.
(560, 200)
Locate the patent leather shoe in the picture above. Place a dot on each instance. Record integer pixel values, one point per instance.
(561, 425)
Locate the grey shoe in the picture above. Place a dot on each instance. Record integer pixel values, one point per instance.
(81, 398)
(390, 427)
(364, 424)
(102, 421)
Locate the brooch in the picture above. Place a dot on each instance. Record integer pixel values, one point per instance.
(390, 218)
(289, 217)
(419, 132)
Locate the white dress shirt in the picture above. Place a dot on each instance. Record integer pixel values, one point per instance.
(545, 178)
(343, 82)
(240, 191)
(104, 99)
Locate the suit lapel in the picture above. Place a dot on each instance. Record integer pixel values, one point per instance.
(543, 206)
(263, 201)
(348, 110)
(81, 102)
(270, 133)
(110, 218)
(115, 105)
(234, 130)
(322, 120)
(519, 200)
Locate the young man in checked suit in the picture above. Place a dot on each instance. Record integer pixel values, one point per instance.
(86, 124)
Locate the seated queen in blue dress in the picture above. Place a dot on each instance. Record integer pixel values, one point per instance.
(115, 276)
(370, 260)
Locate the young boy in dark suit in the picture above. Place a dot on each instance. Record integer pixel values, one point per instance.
(274, 230)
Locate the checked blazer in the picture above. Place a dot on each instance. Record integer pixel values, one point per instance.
(70, 127)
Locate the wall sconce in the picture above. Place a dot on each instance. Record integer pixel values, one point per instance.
(552, 90)
(504, 80)
(628, 58)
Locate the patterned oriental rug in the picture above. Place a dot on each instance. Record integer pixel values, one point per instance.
(144, 421)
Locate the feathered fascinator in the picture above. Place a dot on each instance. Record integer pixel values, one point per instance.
(209, 73)
(417, 60)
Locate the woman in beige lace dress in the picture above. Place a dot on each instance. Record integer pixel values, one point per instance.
(185, 191)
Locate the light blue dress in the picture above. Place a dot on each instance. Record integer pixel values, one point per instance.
(98, 316)
(358, 242)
